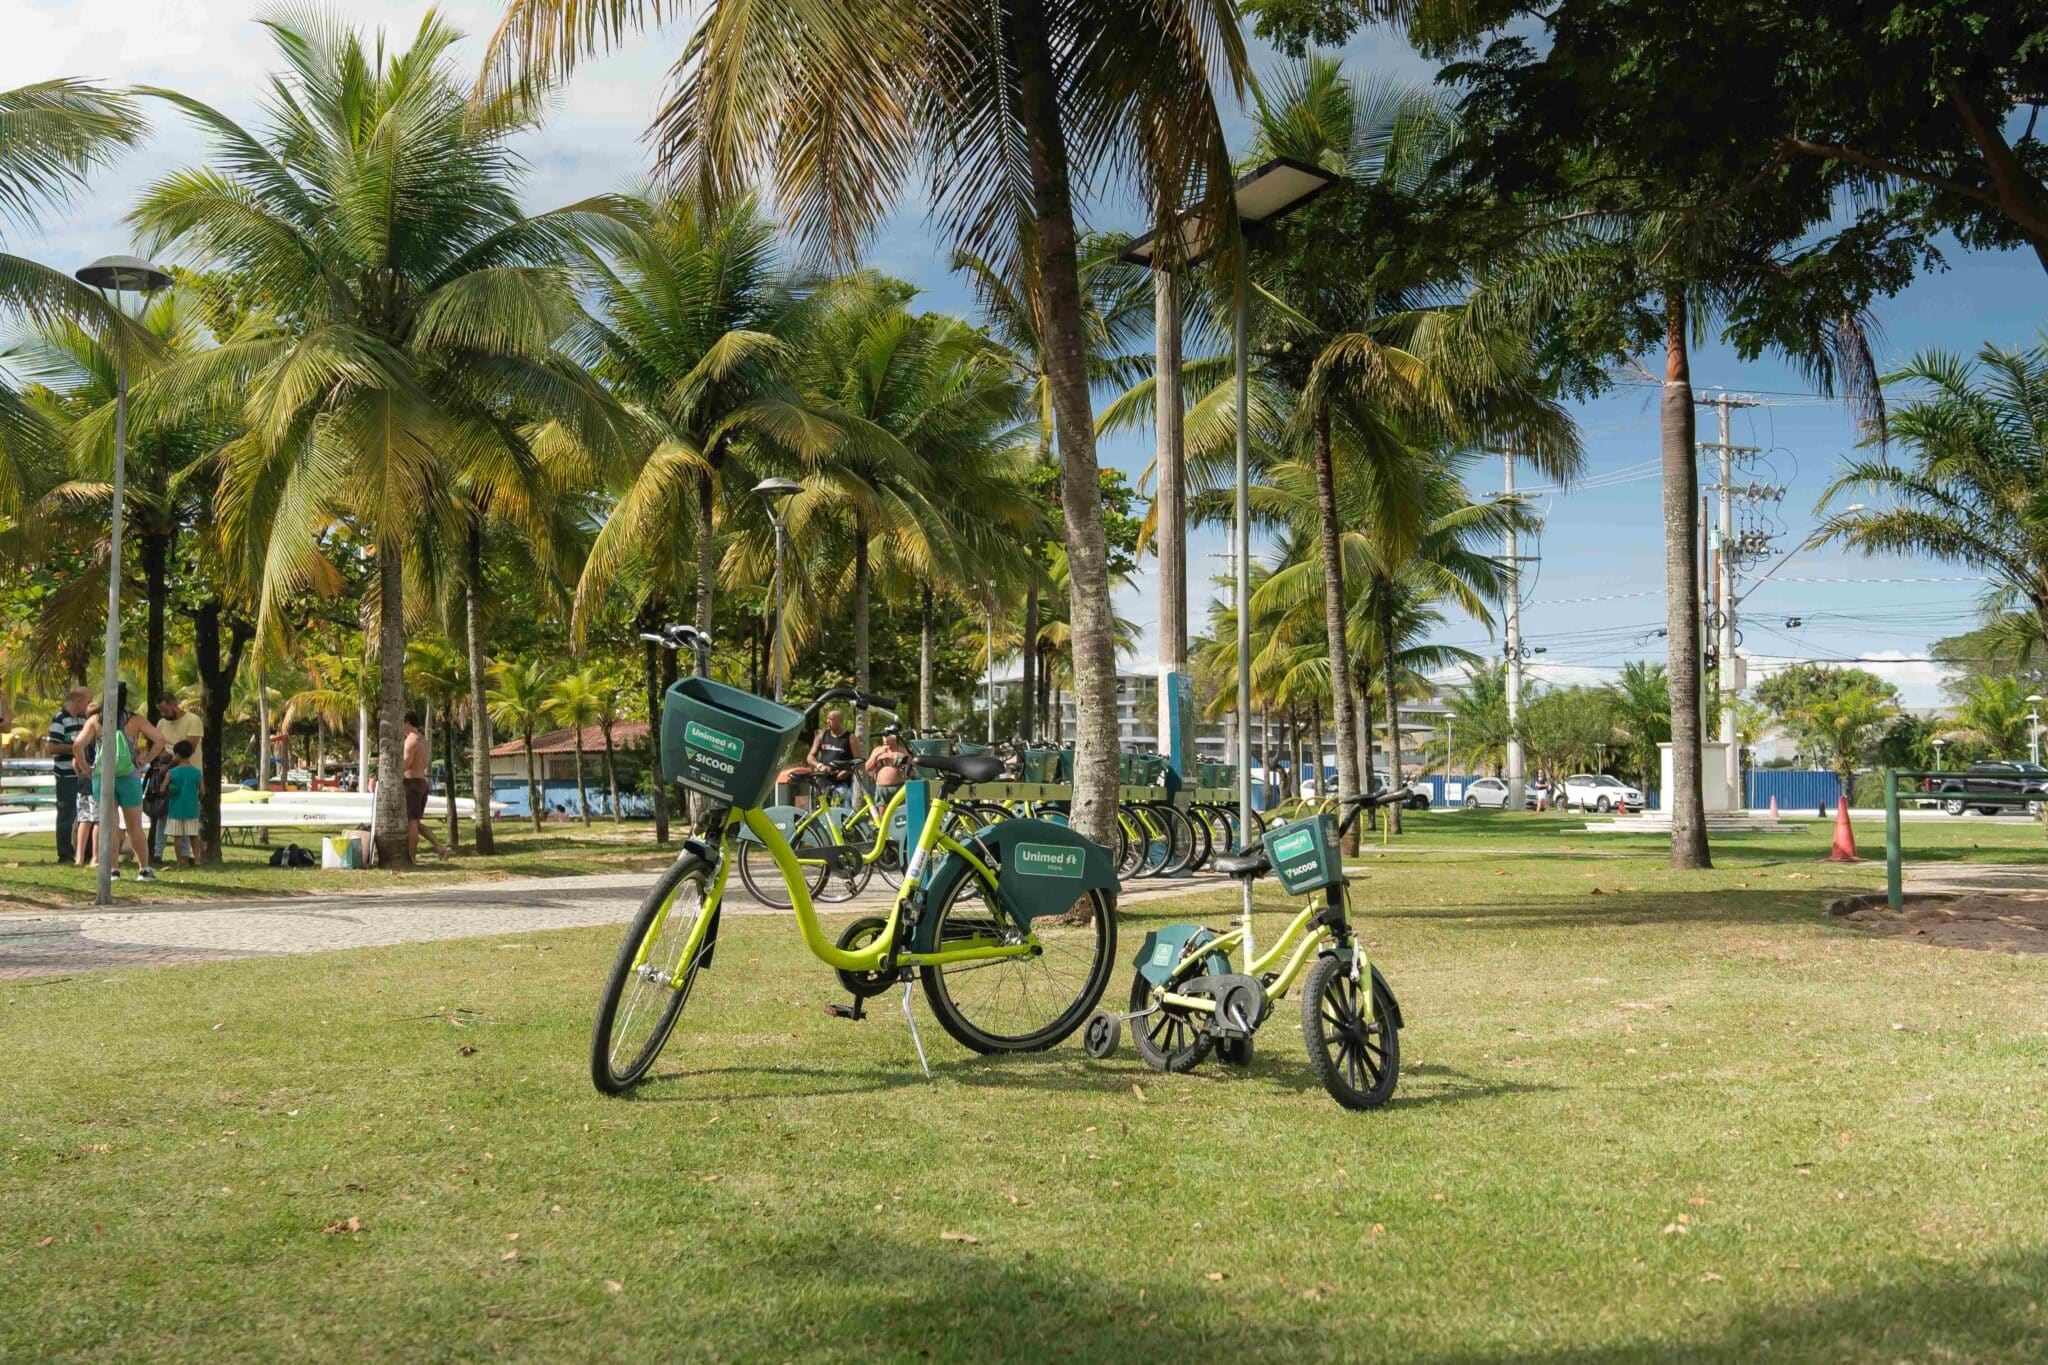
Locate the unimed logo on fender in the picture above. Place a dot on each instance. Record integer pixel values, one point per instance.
(1046, 860)
(716, 741)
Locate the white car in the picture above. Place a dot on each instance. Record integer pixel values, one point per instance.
(1603, 792)
(1491, 793)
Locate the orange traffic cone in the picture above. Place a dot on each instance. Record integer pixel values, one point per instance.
(1844, 850)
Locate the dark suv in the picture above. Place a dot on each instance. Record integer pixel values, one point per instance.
(1997, 775)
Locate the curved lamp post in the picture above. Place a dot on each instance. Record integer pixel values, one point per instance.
(773, 493)
(114, 276)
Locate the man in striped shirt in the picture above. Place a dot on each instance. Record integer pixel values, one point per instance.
(64, 728)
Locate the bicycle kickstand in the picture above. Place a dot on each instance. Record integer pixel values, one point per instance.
(909, 984)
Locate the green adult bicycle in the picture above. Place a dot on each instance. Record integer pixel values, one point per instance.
(870, 828)
(1011, 931)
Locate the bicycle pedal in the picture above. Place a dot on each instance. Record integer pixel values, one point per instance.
(853, 1011)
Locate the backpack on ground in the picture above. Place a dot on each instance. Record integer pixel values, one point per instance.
(291, 855)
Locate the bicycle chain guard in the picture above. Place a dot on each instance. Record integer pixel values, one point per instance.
(1241, 1003)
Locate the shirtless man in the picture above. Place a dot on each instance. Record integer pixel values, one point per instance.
(416, 788)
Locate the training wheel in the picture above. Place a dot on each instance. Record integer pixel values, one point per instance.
(1103, 1034)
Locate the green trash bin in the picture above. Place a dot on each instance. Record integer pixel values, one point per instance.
(723, 742)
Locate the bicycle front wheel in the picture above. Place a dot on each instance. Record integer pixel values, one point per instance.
(650, 982)
(1020, 1004)
(764, 878)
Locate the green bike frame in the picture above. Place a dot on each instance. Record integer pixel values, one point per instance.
(883, 952)
(1297, 944)
(836, 827)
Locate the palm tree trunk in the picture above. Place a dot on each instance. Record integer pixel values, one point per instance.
(389, 808)
(650, 660)
(611, 772)
(216, 684)
(582, 793)
(861, 662)
(1315, 742)
(1170, 460)
(1365, 767)
(1391, 669)
(1341, 717)
(156, 578)
(1031, 663)
(532, 776)
(707, 562)
(1265, 752)
(448, 762)
(1095, 759)
(479, 691)
(924, 662)
(1681, 593)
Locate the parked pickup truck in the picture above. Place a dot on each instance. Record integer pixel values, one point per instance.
(1998, 775)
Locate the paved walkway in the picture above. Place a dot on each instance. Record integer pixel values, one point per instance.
(58, 942)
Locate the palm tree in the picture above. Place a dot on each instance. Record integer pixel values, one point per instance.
(1642, 715)
(578, 701)
(415, 304)
(1971, 493)
(53, 136)
(1009, 106)
(436, 668)
(1995, 712)
(1844, 724)
(524, 699)
(1477, 737)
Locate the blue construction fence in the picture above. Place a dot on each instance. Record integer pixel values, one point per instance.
(511, 793)
(1800, 789)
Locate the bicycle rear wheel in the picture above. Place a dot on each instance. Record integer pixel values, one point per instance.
(649, 982)
(1020, 1004)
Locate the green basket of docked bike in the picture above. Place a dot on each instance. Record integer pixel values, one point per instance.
(1041, 765)
(963, 747)
(723, 742)
(1143, 769)
(1304, 854)
(931, 748)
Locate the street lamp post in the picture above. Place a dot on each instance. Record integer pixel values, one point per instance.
(1266, 194)
(113, 276)
(988, 651)
(772, 493)
(2034, 726)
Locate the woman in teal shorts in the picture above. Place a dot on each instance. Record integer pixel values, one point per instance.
(141, 739)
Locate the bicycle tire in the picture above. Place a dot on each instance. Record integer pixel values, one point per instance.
(977, 1026)
(763, 879)
(1359, 1063)
(607, 1072)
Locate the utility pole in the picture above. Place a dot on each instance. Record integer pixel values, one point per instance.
(1514, 646)
(1722, 620)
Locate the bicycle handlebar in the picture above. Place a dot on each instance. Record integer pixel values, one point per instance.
(862, 701)
(1359, 804)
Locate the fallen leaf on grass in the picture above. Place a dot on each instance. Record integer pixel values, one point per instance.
(47, 1241)
(511, 1255)
(350, 1224)
(614, 1287)
(467, 1050)
(1138, 1090)
(1216, 1276)
(967, 1238)
(1709, 1277)
(1676, 1230)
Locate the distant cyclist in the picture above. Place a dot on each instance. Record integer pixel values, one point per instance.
(835, 750)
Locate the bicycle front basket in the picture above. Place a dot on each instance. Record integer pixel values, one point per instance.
(1304, 854)
(723, 742)
(931, 748)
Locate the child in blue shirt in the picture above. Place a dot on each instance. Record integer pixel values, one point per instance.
(182, 831)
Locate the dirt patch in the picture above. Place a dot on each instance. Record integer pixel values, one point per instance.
(1988, 921)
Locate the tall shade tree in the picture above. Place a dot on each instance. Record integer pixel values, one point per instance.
(1008, 105)
(1970, 491)
(53, 136)
(416, 305)
(436, 668)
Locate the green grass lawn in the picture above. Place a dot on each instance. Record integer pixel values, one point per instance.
(1689, 1116)
(30, 877)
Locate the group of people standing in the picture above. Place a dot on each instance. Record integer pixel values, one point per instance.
(156, 771)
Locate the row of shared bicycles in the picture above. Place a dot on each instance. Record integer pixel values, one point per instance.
(998, 909)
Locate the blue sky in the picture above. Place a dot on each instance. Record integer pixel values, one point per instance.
(1597, 594)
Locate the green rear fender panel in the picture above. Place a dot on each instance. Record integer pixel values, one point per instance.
(784, 818)
(1163, 949)
(1042, 869)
